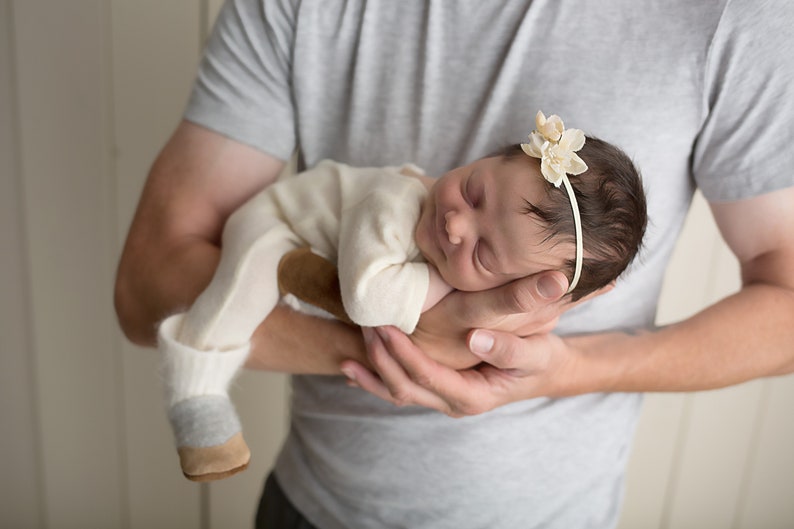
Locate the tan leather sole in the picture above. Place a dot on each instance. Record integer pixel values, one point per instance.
(312, 279)
(215, 462)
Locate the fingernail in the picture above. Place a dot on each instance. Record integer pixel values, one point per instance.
(349, 373)
(549, 287)
(481, 342)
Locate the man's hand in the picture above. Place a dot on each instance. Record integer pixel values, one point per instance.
(475, 351)
(528, 306)
(513, 369)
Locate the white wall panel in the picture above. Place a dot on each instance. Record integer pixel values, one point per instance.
(663, 426)
(63, 112)
(651, 466)
(720, 430)
(261, 402)
(155, 52)
(689, 452)
(768, 497)
(20, 489)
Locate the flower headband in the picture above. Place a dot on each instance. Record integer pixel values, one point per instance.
(556, 148)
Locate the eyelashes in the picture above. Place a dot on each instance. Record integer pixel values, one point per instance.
(477, 256)
(466, 192)
(471, 196)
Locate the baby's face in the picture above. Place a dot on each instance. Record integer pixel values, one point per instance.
(474, 228)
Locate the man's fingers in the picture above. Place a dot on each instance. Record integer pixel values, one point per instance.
(528, 295)
(509, 352)
(395, 383)
(360, 376)
(531, 293)
(405, 376)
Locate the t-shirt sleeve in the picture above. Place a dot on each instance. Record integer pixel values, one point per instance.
(242, 89)
(744, 147)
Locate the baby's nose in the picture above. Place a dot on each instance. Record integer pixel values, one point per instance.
(455, 227)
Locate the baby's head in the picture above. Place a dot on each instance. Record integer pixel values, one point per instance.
(498, 219)
(612, 208)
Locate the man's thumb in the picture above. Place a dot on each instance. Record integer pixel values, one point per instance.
(552, 286)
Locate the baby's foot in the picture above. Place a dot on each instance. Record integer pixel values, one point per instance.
(209, 438)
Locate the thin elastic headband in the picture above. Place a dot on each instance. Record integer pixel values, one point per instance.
(556, 148)
(577, 222)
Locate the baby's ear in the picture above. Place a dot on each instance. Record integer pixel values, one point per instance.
(313, 280)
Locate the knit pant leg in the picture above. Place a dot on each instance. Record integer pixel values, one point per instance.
(204, 348)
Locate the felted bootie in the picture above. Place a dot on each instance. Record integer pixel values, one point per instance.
(206, 427)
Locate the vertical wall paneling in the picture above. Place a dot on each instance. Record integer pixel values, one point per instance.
(672, 434)
(718, 443)
(768, 500)
(155, 51)
(260, 400)
(21, 491)
(211, 8)
(688, 278)
(662, 428)
(651, 464)
(721, 426)
(62, 98)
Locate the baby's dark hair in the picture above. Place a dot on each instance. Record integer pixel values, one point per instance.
(612, 208)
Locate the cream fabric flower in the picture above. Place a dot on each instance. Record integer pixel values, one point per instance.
(556, 148)
(551, 128)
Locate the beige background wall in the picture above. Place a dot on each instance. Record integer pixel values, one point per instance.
(89, 90)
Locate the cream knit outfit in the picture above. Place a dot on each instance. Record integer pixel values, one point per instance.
(361, 218)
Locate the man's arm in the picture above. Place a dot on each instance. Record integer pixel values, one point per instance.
(745, 336)
(173, 248)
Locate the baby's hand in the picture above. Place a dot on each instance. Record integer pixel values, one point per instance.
(437, 288)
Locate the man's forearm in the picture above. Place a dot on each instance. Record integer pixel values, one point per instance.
(292, 342)
(151, 284)
(148, 290)
(743, 337)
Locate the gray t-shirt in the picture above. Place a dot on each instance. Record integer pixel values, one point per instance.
(696, 92)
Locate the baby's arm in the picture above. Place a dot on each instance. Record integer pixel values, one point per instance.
(378, 292)
(381, 280)
(436, 289)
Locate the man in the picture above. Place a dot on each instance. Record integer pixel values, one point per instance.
(687, 89)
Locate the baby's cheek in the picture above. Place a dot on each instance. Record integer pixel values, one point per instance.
(463, 277)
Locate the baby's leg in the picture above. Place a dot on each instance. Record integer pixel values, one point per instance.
(205, 347)
(245, 287)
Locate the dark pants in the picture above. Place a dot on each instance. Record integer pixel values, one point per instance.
(276, 512)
